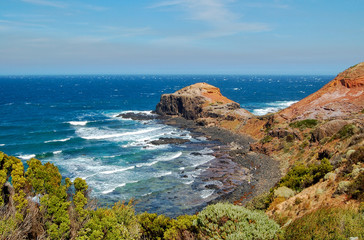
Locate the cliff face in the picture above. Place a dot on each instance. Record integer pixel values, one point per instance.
(199, 100)
(339, 98)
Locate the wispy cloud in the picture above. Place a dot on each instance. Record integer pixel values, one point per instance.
(47, 3)
(217, 14)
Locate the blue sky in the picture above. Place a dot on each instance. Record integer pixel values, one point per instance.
(180, 36)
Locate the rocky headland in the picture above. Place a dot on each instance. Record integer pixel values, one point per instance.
(328, 124)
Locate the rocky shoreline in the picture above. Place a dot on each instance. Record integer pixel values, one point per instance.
(244, 174)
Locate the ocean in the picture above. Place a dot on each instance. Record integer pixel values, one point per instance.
(72, 121)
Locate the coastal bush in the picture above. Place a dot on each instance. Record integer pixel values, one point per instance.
(260, 202)
(266, 139)
(153, 226)
(346, 132)
(227, 221)
(356, 188)
(300, 176)
(182, 228)
(307, 123)
(327, 223)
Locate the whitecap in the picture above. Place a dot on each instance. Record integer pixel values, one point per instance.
(117, 170)
(96, 134)
(162, 174)
(206, 193)
(26, 157)
(57, 152)
(2, 145)
(169, 156)
(58, 140)
(112, 189)
(273, 107)
(78, 123)
(189, 182)
(146, 164)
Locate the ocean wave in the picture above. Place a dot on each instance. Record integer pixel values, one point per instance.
(27, 156)
(273, 107)
(112, 189)
(146, 164)
(162, 174)
(169, 157)
(117, 170)
(78, 123)
(206, 193)
(2, 145)
(57, 152)
(58, 140)
(98, 134)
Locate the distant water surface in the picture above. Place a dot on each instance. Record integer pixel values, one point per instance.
(71, 121)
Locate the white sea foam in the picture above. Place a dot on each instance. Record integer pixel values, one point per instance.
(57, 152)
(146, 164)
(26, 157)
(117, 170)
(189, 182)
(58, 140)
(78, 123)
(2, 145)
(112, 189)
(98, 134)
(169, 157)
(206, 193)
(273, 107)
(162, 174)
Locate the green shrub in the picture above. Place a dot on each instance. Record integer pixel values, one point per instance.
(356, 188)
(260, 202)
(119, 222)
(300, 176)
(7, 227)
(153, 226)
(327, 223)
(181, 228)
(346, 132)
(307, 123)
(227, 221)
(266, 139)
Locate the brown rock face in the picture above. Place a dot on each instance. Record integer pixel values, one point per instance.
(341, 97)
(199, 100)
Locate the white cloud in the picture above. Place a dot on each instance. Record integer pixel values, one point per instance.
(217, 14)
(46, 3)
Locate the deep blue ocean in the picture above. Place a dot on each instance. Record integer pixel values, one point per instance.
(71, 121)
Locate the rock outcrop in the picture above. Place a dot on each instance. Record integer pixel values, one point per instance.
(341, 97)
(200, 100)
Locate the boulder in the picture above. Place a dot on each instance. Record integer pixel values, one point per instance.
(327, 130)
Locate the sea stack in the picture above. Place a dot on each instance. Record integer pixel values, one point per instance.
(200, 100)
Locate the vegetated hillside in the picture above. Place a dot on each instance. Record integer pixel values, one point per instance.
(335, 137)
(319, 143)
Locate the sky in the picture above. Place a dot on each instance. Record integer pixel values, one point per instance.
(180, 36)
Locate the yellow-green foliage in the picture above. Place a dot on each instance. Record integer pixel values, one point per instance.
(300, 176)
(153, 226)
(307, 123)
(80, 198)
(7, 226)
(227, 221)
(346, 131)
(119, 222)
(331, 223)
(180, 226)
